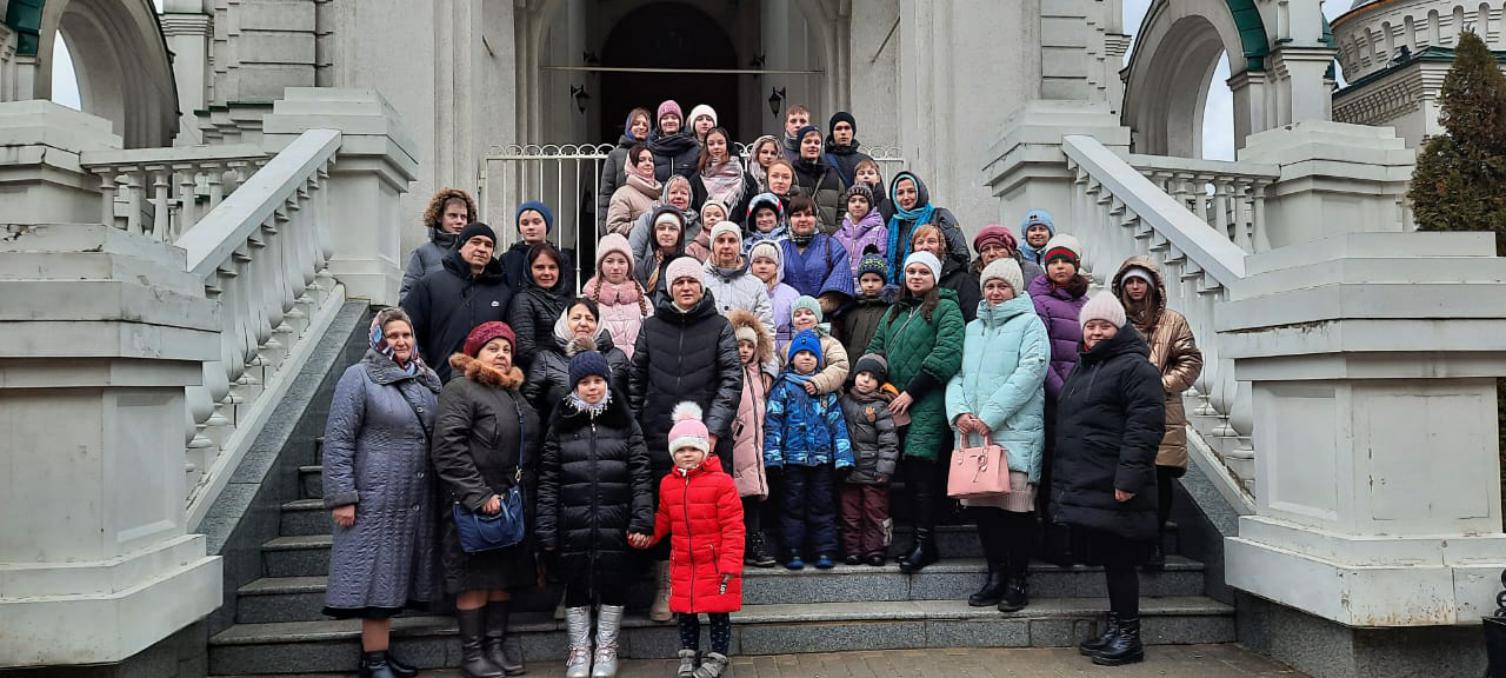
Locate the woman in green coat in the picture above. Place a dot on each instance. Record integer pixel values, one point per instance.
(921, 337)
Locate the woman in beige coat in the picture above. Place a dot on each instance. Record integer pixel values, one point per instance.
(1174, 351)
(638, 195)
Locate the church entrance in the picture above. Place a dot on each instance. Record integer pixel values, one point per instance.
(670, 41)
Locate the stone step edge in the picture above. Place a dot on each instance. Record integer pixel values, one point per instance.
(269, 586)
(826, 613)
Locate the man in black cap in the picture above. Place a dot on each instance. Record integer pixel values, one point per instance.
(446, 304)
(842, 147)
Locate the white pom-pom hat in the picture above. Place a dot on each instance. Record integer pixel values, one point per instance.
(688, 430)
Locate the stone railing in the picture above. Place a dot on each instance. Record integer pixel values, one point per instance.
(1229, 196)
(1123, 213)
(162, 192)
(261, 252)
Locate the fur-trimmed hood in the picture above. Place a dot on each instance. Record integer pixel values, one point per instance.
(482, 373)
(763, 351)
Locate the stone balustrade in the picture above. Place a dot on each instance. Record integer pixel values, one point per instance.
(1121, 210)
(1229, 196)
(163, 192)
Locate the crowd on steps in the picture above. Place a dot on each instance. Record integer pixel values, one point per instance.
(768, 352)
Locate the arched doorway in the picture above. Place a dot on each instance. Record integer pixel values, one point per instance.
(667, 35)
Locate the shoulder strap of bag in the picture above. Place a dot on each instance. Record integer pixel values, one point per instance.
(517, 476)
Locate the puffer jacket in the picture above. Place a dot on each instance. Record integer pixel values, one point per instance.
(595, 486)
(923, 356)
(822, 184)
(835, 364)
(875, 438)
(548, 379)
(855, 327)
(427, 258)
(629, 203)
(804, 430)
(1003, 368)
(958, 278)
(676, 153)
(613, 176)
(1174, 351)
(481, 425)
(701, 513)
(446, 305)
(1111, 417)
(747, 431)
(821, 269)
(685, 356)
(735, 288)
(1058, 309)
(534, 312)
(515, 266)
(623, 308)
(857, 237)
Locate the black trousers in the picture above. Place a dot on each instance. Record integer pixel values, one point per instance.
(1008, 538)
(808, 516)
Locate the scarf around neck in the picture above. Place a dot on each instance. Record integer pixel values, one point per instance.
(918, 216)
(583, 407)
(724, 182)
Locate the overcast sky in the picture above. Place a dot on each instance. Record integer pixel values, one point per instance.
(1218, 118)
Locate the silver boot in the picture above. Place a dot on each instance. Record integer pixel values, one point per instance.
(578, 626)
(608, 623)
(687, 664)
(659, 611)
(713, 666)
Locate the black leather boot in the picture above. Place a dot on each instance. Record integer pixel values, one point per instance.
(993, 588)
(374, 665)
(1124, 647)
(400, 668)
(497, 651)
(473, 661)
(922, 554)
(756, 553)
(1091, 646)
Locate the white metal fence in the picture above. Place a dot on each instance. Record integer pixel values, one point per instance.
(567, 177)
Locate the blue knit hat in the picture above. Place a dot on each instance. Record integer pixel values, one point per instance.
(805, 341)
(587, 363)
(539, 207)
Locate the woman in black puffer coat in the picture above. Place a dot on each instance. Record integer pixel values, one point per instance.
(540, 303)
(577, 330)
(595, 486)
(1111, 416)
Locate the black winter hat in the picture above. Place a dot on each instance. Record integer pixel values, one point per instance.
(841, 116)
(474, 229)
(874, 364)
(587, 363)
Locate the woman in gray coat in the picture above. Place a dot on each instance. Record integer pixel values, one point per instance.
(379, 489)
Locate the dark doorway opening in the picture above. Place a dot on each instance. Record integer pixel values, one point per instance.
(667, 35)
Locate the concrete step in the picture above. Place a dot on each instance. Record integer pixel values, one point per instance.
(290, 599)
(311, 482)
(429, 642)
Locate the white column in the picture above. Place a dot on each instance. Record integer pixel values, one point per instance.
(376, 163)
(1374, 358)
(103, 330)
(188, 30)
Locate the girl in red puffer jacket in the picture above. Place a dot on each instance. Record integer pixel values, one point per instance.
(699, 506)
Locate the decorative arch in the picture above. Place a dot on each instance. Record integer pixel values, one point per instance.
(124, 70)
(1176, 52)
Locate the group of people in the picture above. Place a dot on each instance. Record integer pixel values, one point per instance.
(786, 337)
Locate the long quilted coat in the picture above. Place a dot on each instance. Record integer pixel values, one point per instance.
(685, 355)
(1058, 310)
(923, 356)
(1003, 367)
(595, 486)
(1112, 416)
(701, 513)
(1174, 351)
(376, 456)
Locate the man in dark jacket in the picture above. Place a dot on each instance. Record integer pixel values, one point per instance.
(686, 351)
(842, 144)
(535, 221)
(446, 304)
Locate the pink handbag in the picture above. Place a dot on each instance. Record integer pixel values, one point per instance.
(978, 472)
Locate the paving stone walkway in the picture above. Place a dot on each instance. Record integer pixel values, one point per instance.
(1163, 661)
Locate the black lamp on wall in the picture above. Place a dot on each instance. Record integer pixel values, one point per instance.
(580, 96)
(776, 101)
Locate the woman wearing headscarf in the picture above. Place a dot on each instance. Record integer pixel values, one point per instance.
(913, 209)
(635, 197)
(761, 153)
(486, 442)
(818, 180)
(666, 237)
(675, 148)
(613, 169)
(376, 469)
(677, 194)
(577, 330)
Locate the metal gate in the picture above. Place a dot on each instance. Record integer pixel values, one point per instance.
(567, 177)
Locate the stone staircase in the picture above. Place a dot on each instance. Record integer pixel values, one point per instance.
(278, 627)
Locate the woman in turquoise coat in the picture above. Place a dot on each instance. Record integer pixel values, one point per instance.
(999, 394)
(921, 337)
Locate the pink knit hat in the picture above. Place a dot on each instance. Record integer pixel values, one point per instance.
(688, 430)
(684, 267)
(669, 106)
(613, 242)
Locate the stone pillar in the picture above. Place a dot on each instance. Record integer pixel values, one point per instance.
(103, 330)
(188, 30)
(1373, 358)
(1305, 91)
(40, 177)
(1028, 170)
(1335, 178)
(376, 163)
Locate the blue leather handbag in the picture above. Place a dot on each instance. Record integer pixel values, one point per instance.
(480, 532)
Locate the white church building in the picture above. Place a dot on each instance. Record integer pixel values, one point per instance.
(189, 261)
